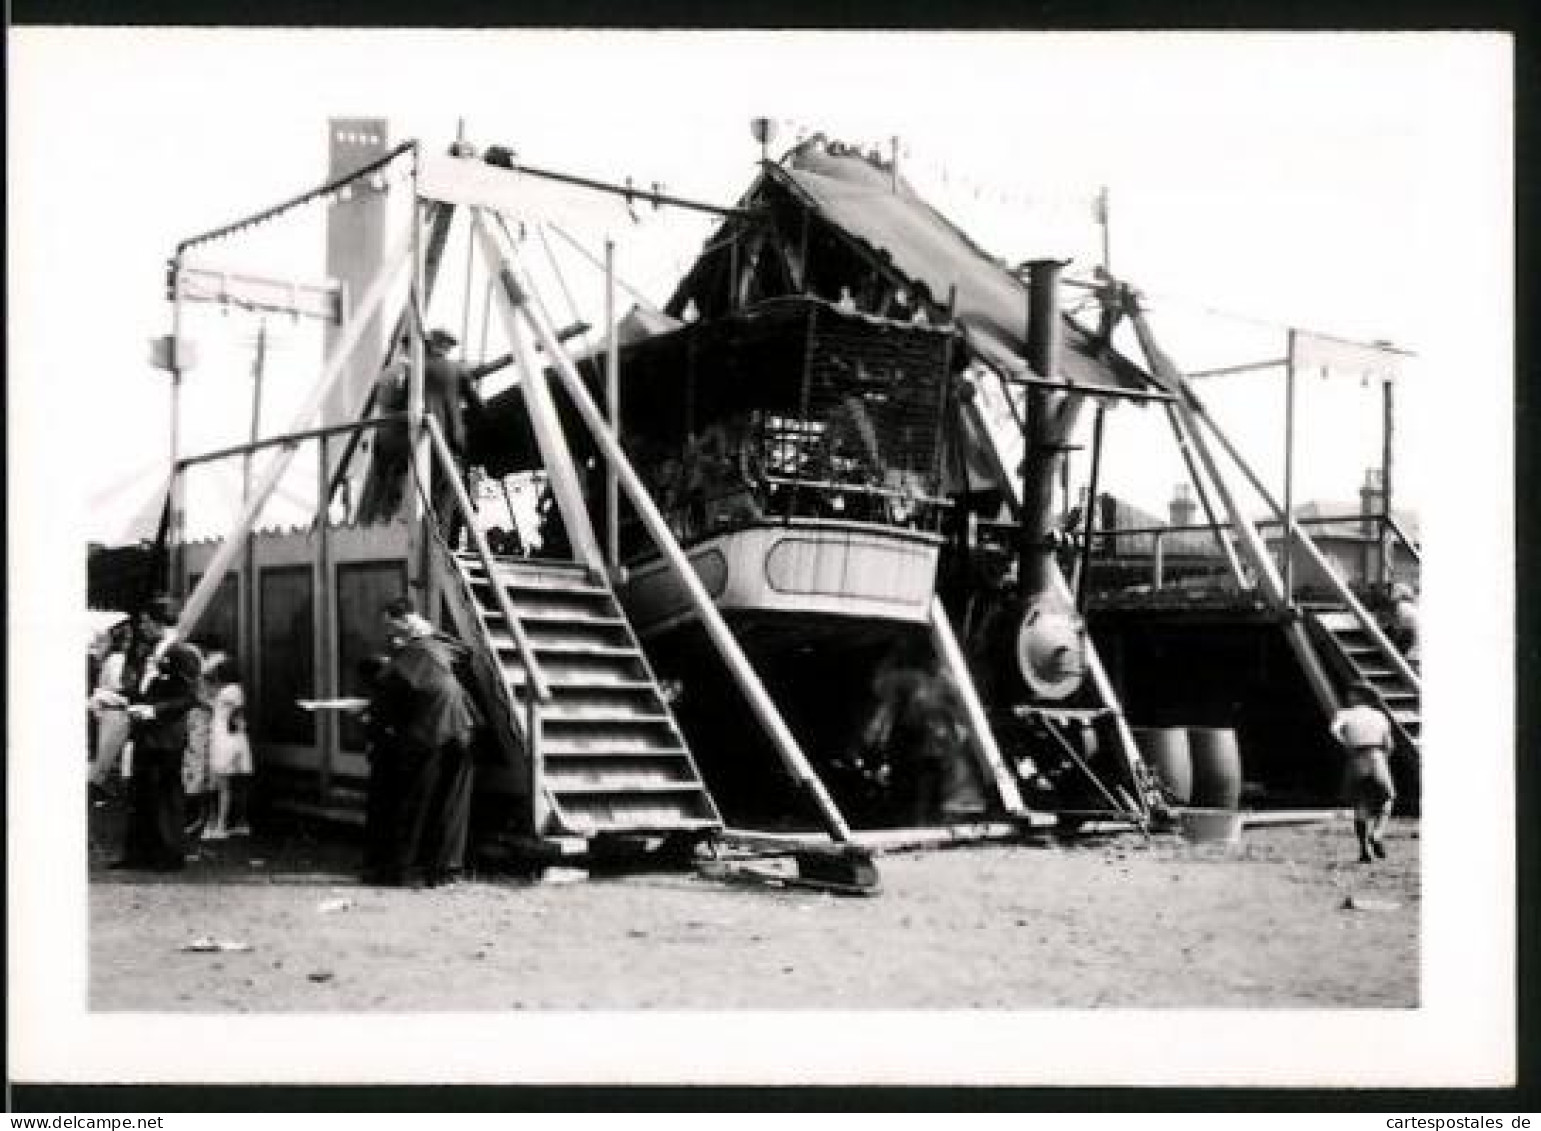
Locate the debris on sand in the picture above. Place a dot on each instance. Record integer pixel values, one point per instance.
(209, 945)
(1360, 903)
(332, 906)
(320, 975)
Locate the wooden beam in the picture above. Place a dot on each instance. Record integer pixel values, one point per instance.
(322, 301)
(987, 750)
(556, 456)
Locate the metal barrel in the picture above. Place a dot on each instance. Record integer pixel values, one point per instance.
(1166, 752)
(1216, 760)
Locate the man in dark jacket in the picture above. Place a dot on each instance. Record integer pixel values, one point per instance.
(435, 723)
(153, 837)
(451, 397)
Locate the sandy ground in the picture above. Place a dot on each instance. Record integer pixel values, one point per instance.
(1112, 922)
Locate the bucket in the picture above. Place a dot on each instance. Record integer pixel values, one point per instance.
(1165, 750)
(1216, 767)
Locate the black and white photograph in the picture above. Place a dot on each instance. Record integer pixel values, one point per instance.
(710, 557)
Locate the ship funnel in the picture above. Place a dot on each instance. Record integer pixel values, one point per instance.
(1047, 425)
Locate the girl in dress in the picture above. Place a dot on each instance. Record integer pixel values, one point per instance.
(197, 786)
(230, 761)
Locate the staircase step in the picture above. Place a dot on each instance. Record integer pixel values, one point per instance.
(582, 648)
(581, 671)
(636, 819)
(620, 746)
(548, 616)
(577, 632)
(623, 785)
(653, 754)
(556, 567)
(580, 713)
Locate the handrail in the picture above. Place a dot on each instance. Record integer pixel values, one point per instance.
(1390, 651)
(479, 541)
(1407, 543)
(1201, 528)
(289, 439)
(853, 489)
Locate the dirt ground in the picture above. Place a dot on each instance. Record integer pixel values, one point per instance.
(1100, 922)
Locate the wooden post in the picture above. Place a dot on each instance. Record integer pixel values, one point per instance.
(178, 494)
(717, 629)
(1289, 468)
(988, 751)
(613, 403)
(421, 472)
(322, 637)
(1388, 434)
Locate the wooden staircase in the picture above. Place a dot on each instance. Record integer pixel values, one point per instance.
(1353, 656)
(613, 760)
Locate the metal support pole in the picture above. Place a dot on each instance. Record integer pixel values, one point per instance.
(613, 403)
(1289, 468)
(1088, 521)
(717, 629)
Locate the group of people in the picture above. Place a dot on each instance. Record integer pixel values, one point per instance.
(423, 722)
(175, 717)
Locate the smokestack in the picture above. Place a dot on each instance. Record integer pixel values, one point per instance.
(1045, 439)
(1182, 507)
(355, 246)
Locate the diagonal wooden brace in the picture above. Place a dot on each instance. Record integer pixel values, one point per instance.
(198, 601)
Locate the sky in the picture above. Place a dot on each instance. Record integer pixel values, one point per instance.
(1357, 185)
(1283, 179)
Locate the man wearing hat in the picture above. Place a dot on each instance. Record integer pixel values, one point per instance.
(1364, 731)
(153, 837)
(451, 396)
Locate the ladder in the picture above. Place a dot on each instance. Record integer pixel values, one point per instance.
(1353, 656)
(612, 756)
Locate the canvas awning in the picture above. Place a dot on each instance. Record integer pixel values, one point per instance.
(918, 242)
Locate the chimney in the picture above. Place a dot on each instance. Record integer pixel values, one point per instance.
(1181, 509)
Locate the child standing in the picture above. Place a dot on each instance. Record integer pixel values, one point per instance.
(1364, 731)
(230, 761)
